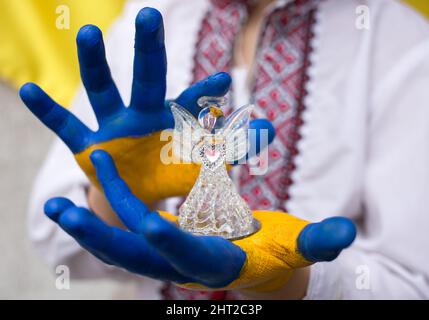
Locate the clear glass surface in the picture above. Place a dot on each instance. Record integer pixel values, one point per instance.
(214, 206)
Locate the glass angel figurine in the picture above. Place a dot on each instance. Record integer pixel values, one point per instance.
(213, 207)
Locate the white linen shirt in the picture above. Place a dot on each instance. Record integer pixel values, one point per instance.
(364, 151)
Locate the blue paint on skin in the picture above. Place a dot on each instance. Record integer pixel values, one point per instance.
(325, 240)
(147, 112)
(152, 247)
(156, 248)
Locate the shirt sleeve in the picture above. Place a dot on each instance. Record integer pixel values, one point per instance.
(389, 258)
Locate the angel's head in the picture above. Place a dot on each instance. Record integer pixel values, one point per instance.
(211, 116)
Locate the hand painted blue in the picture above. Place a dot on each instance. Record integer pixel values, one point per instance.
(147, 112)
(158, 249)
(154, 247)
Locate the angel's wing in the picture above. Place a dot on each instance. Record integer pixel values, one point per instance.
(235, 133)
(187, 135)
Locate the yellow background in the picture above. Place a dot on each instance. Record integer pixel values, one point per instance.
(421, 5)
(33, 49)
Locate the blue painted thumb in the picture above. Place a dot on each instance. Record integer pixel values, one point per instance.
(325, 240)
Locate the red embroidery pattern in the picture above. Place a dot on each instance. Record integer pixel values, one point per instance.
(280, 76)
(281, 66)
(216, 38)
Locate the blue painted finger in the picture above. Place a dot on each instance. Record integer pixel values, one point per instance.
(150, 62)
(212, 261)
(115, 246)
(129, 208)
(216, 85)
(325, 240)
(55, 206)
(66, 126)
(95, 73)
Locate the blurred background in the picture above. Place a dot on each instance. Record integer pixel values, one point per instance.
(37, 43)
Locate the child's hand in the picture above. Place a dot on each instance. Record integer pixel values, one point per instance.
(130, 134)
(154, 247)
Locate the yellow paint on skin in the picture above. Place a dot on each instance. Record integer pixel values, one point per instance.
(139, 164)
(138, 161)
(272, 253)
